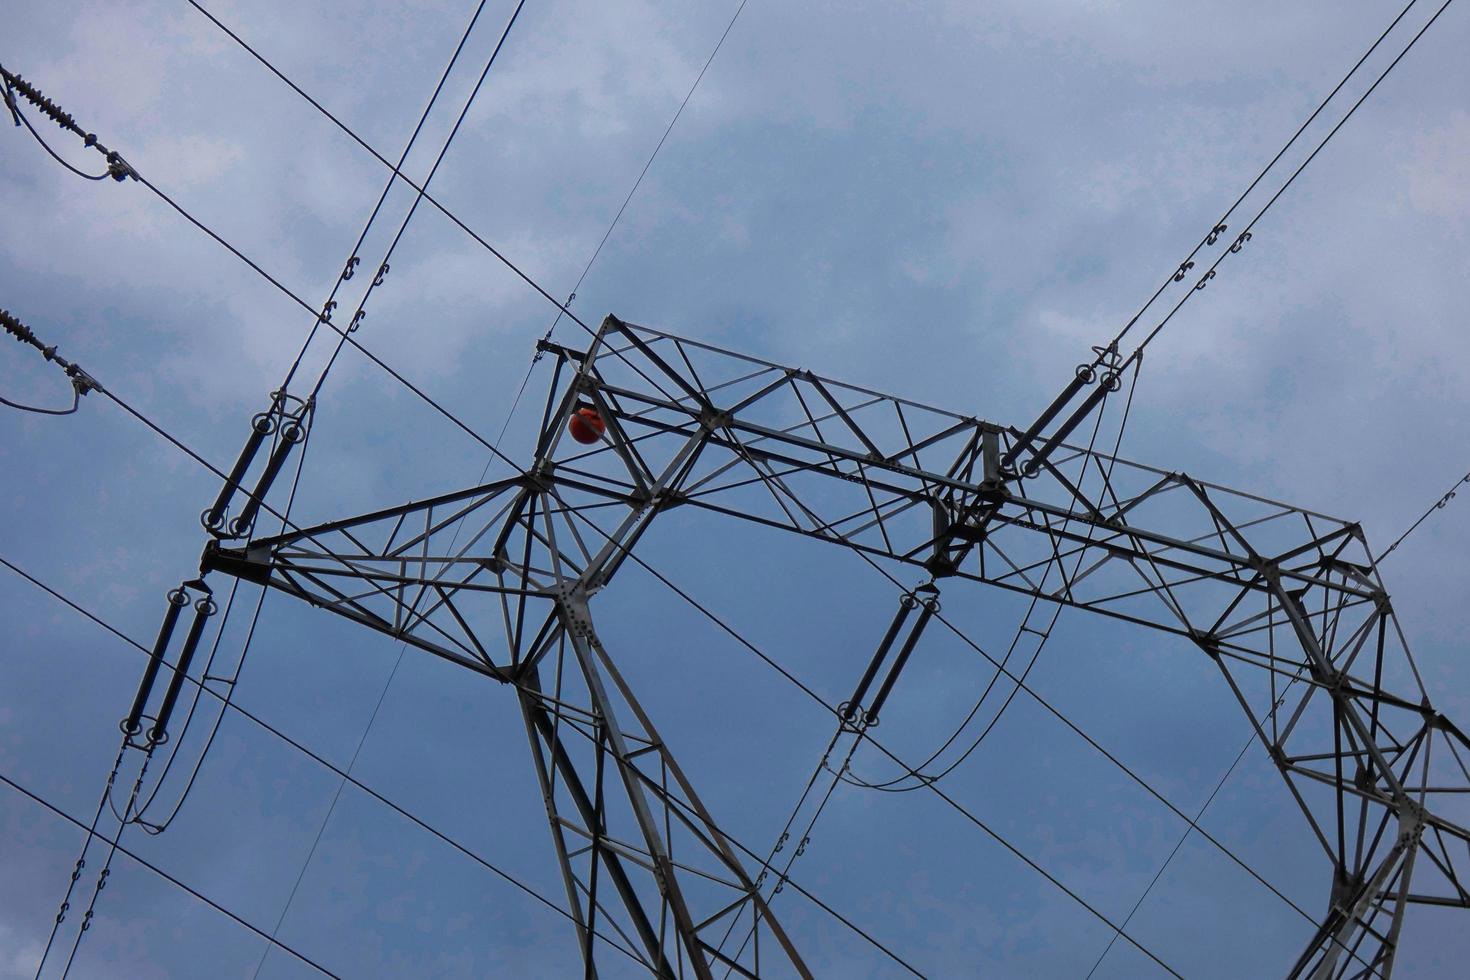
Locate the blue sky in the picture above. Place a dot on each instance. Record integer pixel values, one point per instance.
(946, 201)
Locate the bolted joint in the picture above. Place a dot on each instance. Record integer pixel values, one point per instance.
(541, 474)
(572, 600)
(711, 419)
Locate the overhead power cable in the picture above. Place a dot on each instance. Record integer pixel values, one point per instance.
(285, 739)
(1245, 235)
(1087, 373)
(434, 202)
(423, 189)
(349, 266)
(842, 774)
(890, 786)
(351, 261)
(647, 164)
(132, 173)
(117, 167)
(401, 811)
(1219, 785)
(963, 637)
(144, 862)
(612, 225)
(1437, 505)
(836, 713)
(321, 379)
(1220, 225)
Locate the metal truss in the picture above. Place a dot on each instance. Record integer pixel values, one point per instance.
(1286, 602)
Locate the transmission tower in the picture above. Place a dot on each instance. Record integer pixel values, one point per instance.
(1286, 602)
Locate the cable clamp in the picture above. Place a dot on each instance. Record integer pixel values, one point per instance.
(117, 168)
(81, 381)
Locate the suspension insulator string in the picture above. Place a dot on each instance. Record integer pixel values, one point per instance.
(117, 168)
(81, 381)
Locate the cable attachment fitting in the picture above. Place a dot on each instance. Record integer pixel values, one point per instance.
(350, 269)
(1205, 279)
(117, 168)
(382, 274)
(1239, 243)
(1215, 233)
(1184, 268)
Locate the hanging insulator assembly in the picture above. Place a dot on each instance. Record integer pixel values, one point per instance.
(204, 608)
(852, 710)
(177, 600)
(291, 433)
(930, 607)
(260, 427)
(287, 420)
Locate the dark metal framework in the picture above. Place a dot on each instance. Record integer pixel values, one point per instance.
(1288, 604)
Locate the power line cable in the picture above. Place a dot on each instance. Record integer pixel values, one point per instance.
(479, 239)
(383, 196)
(81, 381)
(1244, 236)
(1220, 225)
(126, 171)
(42, 801)
(833, 710)
(331, 808)
(325, 763)
(818, 699)
(890, 786)
(112, 848)
(81, 862)
(156, 828)
(647, 164)
(1437, 505)
(345, 334)
(1250, 740)
(316, 388)
(1085, 374)
(423, 190)
(842, 773)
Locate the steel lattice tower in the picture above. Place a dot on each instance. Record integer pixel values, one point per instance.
(500, 579)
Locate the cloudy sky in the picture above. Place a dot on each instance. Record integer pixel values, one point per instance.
(947, 201)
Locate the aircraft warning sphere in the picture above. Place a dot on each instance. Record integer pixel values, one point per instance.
(586, 426)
